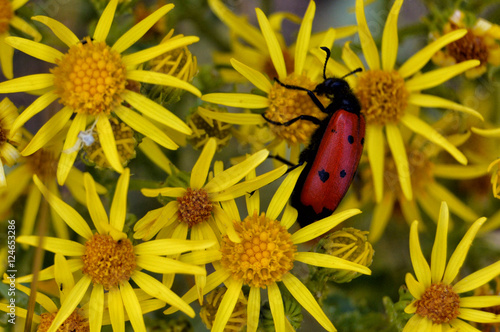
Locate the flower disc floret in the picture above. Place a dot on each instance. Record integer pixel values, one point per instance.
(469, 47)
(287, 104)
(108, 262)
(383, 96)
(6, 14)
(43, 163)
(90, 77)
(75, 322)
(194, 207)
(439, 303)
(264, 255)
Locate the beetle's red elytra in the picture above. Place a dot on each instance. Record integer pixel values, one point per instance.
(333, 155)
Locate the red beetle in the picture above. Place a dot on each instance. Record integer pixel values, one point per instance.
(333, 155)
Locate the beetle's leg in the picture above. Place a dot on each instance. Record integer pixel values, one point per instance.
(289, 122)
(309, 92)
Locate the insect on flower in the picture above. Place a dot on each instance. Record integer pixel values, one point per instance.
(333, 155)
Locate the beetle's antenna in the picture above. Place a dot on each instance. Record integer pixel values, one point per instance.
(357, 70)
(327, 50)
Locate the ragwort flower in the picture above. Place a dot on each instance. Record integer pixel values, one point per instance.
(108, 260)
(438, 305)
(90, 80)
(387, 95)
(265, 257)
(8, 151)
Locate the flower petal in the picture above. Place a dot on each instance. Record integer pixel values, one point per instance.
(478, 278)
(95, 207)
(167, 191)
(272, 43)
(419, 59)
(367, 43)
(242, 100)
(459, 172)
(420, 265)
(460, 325)
(435, 101)
(438, 256)
(307, 301)
(350, 58)
(104, 23)
(332, 262)
(234, 118)
(147, 76)
(282, 195)
(67, 213)
(227, 305)
(60, 30)
(255, 77)
(390, 37)
(108, 142)
(27, 83)
(458, 257)
(116, 312)
(200, 169)
(38, 105)
(459, 208)
(156, 112)
(167, 265)
(132, 306)
(420, 127)
(302, 44)
(376, 154)
(67, 158)
(35, 49)
(481, 301)
(438, 76)
(97, 305)
(170, 246)
(418, 323)
(416, 288)
(478, 316)
(277, 308)
(6, 57)
(145, 127)
(253, 309)
(55, 245)
(139, 29)
(322, 226)
(397, 146)
(155, 154)
(381, 215)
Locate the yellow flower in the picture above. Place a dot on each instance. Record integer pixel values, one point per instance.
(438, 305)
(265, 257)
(480, 42)
(9, 19)
(494, 166)
(108, 260)
(90, 80)
(388, 96)
(8, 152)
(281, 104)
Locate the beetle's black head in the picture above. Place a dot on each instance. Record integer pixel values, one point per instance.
(332, 87)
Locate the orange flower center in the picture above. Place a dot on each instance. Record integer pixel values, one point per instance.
(439, 303)
(90, 78)
(264, 255)
(287, 104)
(469, 47)
(75, 322)
(108, 262)
(194, 207)
(383, 96)
(6, 14)
(43, 163)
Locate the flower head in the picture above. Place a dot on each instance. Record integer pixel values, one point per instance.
(92, 80)
(8, 151)
(437, 296)
(265, 257)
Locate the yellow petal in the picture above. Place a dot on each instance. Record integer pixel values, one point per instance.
(481, 301)
(419, 59)
(67, 159)
(439, 249)
(95, 207)
(277, 308)
(97, 303)
(6, 57)
(170, 246)
(438, 76)
(322, 226)
(253, 309)
(50, 129)
(331, 262)
(398, 150)
(35, 49)
(307, 301)
(381, 215)
(478, 316)
(458, 257)
(459, 208)
(202, 257)
(376, 154)
(350, 58)
(156, 155)
(435, 101)
(145, 127)
(38, 105)
(486, 132)
(200, 169)
(272, 43)
(60, 246)
(227, 305)
(390, 37)
(282, 195)
(108, 143)
(104, 23)
(131, 304)
(139, 29)
(338, 69)
(420, 127)
(242, 100)
(302, 44)
(63, 276)
(234, 118)
(167, 265)
(27, 83)
(416, 288)
(420, 266)
(116, 312)
(119, 204)
(367, 43)
(69, 215)
(255, 77)
(156, 78)
(59, 29)
(21, 25)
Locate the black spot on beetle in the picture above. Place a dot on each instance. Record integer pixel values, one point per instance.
(343, 173)
(334, 131)
(362, 140)
(323, 175)
(350, 139)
